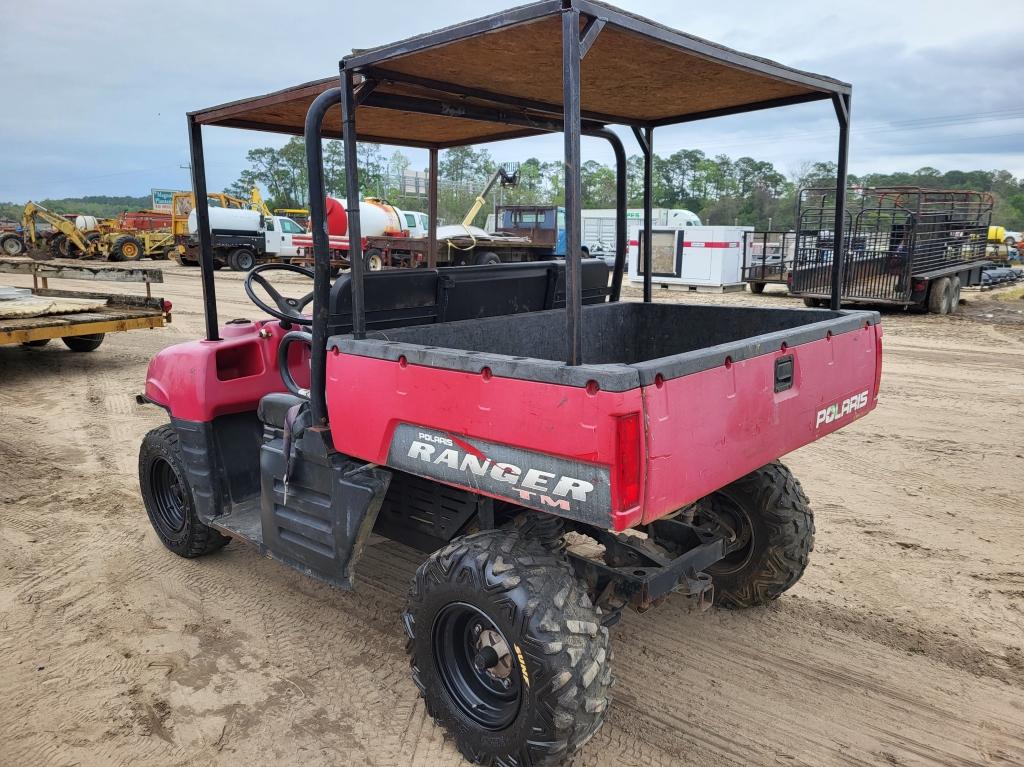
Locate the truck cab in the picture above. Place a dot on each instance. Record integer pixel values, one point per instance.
(279, 231)
(543, 225)
(414, 222)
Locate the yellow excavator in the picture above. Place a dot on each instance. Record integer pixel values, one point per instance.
(103, 239)
(99, 239)
(88, 237)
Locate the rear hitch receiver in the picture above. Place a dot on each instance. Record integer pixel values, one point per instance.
(699, 587)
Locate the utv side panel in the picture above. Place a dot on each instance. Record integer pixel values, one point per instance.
(317, 512)
(718, 400)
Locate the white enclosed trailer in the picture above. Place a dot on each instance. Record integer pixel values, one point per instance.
(599, 224)
(694, 257)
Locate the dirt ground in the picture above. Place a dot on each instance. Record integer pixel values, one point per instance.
(902, 645)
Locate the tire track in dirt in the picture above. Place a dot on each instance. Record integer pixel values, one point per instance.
(233, 659)
(805, 681)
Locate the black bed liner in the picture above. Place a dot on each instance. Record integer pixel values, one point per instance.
(626, 345)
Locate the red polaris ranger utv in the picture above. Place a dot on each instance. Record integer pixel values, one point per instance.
(557, 455)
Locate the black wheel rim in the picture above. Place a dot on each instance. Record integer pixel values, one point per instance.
(491, 698)
(732, 515)
(168, 496)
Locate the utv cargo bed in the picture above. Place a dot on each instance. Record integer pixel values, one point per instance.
(675, 401)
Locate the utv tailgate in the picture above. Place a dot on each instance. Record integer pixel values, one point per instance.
(674, 402)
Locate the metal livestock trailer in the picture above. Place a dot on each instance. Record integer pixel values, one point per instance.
(902, 245)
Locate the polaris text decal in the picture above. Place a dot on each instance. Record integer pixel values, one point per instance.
(559, 485)
(848, 406)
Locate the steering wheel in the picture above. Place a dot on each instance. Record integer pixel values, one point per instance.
(287, 309)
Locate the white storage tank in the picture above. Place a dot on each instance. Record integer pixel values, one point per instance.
(376, 218)
(694, 257)
(86, 223)
(230, 221)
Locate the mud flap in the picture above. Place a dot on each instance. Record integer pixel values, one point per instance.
(331, 506)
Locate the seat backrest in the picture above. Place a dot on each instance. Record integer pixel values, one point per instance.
(404, 297)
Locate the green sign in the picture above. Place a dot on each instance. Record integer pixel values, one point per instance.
(163, 199)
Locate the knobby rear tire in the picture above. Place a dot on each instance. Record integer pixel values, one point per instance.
(782, 538)
(533, 597)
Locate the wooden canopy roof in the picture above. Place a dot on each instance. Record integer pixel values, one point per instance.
(500, 77)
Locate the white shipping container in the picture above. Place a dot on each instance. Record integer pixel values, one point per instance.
(700, 256)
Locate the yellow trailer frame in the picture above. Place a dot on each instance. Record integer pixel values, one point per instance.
(112, 319)
(122, 312)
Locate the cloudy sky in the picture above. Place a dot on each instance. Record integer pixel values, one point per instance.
(97, 92)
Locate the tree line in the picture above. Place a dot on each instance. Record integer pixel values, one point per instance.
(99, 206)
(720, 189)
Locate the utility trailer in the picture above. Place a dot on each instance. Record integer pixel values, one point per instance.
(767, 258)
(81, 319)
(902, 245)
(502, 407)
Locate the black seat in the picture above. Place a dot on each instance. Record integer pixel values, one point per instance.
(274, 407)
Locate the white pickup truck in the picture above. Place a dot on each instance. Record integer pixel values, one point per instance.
(417, 223)
(243, 238)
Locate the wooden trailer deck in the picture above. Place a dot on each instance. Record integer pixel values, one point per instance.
(117, 312)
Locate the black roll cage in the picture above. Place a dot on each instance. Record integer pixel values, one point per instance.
(574, 123)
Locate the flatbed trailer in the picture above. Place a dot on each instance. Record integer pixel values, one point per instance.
(456, 251)
(386, 252)
(118, 312)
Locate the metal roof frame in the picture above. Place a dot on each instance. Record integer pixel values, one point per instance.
(367, 81)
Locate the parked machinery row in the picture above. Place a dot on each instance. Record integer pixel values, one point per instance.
(126, 238)
(132, 235)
